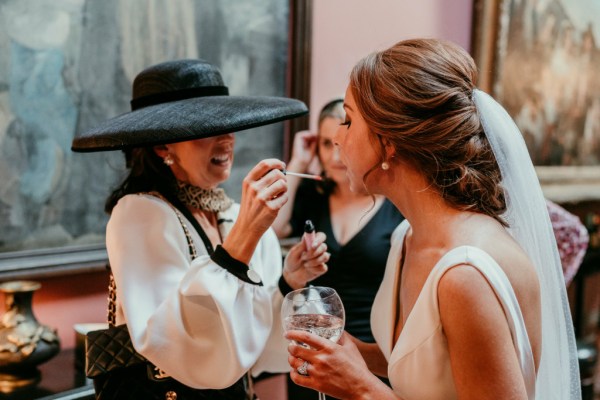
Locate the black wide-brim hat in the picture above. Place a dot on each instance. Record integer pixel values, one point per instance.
(183, 100)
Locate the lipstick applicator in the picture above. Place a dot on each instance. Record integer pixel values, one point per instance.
(305, 176)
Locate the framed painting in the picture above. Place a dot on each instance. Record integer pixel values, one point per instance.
(68, 65)
(539, 59)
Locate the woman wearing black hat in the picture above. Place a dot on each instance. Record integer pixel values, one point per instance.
(198, 277)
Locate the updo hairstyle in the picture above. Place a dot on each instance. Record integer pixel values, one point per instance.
(417, 96)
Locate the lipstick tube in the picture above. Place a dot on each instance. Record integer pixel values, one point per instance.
(309, 234)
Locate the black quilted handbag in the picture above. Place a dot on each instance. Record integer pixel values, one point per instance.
(121, 373)
(110, 349)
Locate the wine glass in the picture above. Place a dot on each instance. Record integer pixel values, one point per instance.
(315, 309)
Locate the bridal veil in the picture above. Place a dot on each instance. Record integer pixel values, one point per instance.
(529, 224)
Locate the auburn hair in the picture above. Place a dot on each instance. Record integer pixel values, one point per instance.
(417, 96)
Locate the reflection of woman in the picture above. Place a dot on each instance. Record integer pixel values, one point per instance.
(196, 274)
(358, 226)
(473, 281)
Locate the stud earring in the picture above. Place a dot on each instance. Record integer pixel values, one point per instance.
(385, 166)
(168, 160)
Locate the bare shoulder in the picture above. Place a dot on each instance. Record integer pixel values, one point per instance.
(493, 239)
(472, 318)
(468, 305)
(463, 288)
(515, 263)
(465, 283)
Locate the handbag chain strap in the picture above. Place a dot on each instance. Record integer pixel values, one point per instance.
(112, 302)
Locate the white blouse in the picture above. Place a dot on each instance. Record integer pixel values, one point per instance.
(194, 320)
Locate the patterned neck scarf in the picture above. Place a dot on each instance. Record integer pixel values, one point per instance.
(213, 200)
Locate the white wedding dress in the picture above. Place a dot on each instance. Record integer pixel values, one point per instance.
(419, 362)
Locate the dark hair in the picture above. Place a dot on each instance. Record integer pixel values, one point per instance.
(417, 96)
(147, 173)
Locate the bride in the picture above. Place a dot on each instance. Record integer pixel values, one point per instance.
(473, 302)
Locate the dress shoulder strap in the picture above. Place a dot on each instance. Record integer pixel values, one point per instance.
(505, 293)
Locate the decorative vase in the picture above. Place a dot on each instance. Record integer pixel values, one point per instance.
(24, 342)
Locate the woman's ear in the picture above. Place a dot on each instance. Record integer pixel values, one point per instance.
(161, 150)
(389, 150)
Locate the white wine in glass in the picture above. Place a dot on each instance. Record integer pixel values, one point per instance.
(315, 309)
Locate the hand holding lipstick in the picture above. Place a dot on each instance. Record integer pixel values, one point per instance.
(307, 260)
(263, 194)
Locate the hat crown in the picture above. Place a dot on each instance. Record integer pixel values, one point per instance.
(174, 76)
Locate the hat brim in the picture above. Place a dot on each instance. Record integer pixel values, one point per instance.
(189, 119)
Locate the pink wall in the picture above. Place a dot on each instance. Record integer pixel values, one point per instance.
(344, 31)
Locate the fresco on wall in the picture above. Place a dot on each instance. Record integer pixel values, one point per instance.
(549, 53)
(66, 65)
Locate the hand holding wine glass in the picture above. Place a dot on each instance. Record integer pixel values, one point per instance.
(318, 310)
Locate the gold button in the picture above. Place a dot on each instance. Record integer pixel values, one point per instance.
(171, 395)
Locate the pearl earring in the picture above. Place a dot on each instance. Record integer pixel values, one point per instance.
(385, 166)
(168, 160)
